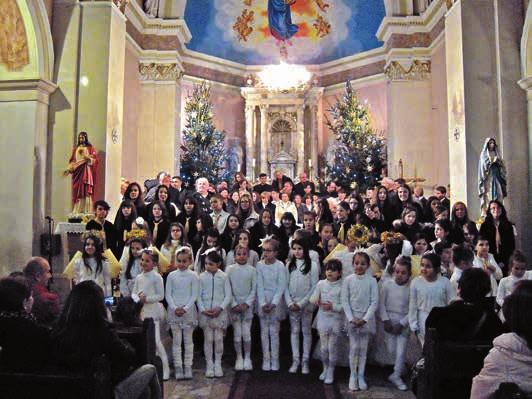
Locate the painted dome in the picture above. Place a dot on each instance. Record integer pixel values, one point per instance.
(256, 32)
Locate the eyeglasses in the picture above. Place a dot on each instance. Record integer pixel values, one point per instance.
(244, 202)
(267, 250)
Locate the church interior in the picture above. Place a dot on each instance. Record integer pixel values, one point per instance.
(438, 77)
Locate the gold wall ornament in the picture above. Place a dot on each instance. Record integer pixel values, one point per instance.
(419, 70)
(14, 53)
(159, 72)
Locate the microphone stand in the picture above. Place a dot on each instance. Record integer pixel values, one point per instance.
(50, 247)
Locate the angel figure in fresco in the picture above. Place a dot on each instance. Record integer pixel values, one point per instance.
(82, 166)
(242, 25)
(323, 28)
(491, 174)
(280, 22)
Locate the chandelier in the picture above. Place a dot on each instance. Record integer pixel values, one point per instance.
(283, 77)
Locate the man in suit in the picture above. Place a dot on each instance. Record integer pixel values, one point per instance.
(440, 192)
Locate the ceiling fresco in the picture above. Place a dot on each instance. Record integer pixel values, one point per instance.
(255, 32)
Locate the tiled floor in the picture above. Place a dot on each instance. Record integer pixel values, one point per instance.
(217, 388)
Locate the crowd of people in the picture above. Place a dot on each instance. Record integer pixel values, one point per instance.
(370, 268)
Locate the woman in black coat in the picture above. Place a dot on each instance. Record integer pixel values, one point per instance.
(499, 232)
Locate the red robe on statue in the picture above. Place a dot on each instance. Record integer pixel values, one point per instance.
(82, 166)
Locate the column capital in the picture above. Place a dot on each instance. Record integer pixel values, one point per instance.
(264, 107)
(417, 70)
(159, 72)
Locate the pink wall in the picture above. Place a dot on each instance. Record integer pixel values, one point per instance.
(131, 112)
(374, 95)
(440, 150)
(228, 110)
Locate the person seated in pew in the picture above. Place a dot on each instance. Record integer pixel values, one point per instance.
(510, 359)
(24, 344)
(471, 317)
(83, 334)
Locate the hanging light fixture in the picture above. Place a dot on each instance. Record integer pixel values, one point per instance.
(283, 77)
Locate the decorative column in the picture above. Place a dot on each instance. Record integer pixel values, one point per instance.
(249, 138)
(264, 135)
(158, 128)
(300, 141)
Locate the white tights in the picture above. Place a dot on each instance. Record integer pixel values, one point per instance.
(400, 354)
(328, 342)
(215, 336)
(242, 334)
(269, 334)
(182, 335)
(301, 323)
(358, 350)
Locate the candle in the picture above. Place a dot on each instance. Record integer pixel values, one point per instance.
(238, 167)
(253, 162)
(310, 163)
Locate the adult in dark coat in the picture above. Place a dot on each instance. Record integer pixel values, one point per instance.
(263, 184)
(499, 232)
(279, 180)
(25, 344)
(299, 188)
(99, 223)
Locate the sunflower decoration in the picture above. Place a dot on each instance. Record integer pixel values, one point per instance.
(390, 238)
(359, 234)
(136, 233)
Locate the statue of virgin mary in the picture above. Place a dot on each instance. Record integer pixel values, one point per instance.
(280, 19)
(491, 174)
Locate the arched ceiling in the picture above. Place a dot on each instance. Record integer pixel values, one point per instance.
(239, 30)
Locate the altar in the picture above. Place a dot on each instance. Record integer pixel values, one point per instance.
(282, 129)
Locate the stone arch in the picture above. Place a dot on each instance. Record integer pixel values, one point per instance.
(39, 42)
(280, 125)
(526, 44)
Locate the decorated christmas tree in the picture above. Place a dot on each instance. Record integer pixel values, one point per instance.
(203, 149)
(360, 154)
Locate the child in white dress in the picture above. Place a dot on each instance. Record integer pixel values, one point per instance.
(303, 276)
(214, 298)
(518, 263)
(393, 312)
(92, 265)
(131, 265)
(330, 319)
(271, 285)
(243, 279)
(360, 299)
(428, 290)
(149, 290)
(182, 288)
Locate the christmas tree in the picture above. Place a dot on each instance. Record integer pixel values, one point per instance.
(361, 154)
(203, 149)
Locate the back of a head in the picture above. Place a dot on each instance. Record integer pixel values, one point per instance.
(474, 285)
(462, 254)
(84, 307)
(34, 268)
(128, 312)
(13, 292)
(517, 310)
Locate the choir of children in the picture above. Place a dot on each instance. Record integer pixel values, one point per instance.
(390, 280)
